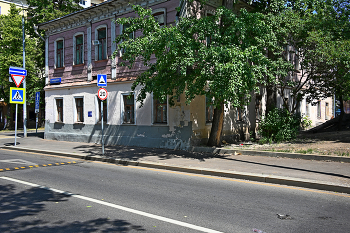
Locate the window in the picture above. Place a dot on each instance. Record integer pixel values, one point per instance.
(59, 105)
(159, 16)
(82, 2)
(129, 109)
(209, 38)
(160, 111)
(104, 110)
(59, 54)
(209, 109)
(319, 109)
(102, 45)
(79, 103)
(307, 110)
(79, 50)
(326, 111)
(131, 35)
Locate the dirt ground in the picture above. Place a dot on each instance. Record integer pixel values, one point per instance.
(336, 143)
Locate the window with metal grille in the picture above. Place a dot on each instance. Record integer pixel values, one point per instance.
(59, 104)
(79, 102)
(160, 111)
(79, 49)
(59, 54)
(129, 109)
(102, 46)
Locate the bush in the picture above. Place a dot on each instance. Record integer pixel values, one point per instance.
(279, 125)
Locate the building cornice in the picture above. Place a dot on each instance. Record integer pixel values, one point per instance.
(93, 14)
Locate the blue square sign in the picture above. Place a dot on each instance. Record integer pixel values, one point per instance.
(17, 95)
(102, 80)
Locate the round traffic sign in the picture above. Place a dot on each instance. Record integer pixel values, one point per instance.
(102, 94)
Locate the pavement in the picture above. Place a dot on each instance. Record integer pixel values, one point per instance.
(329, 173)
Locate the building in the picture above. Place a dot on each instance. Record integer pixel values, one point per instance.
(79, 47)
(88, 3)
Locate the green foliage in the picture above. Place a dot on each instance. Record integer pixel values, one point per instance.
(180, 59)
(305, 122)
(11, 54)
(279, 125)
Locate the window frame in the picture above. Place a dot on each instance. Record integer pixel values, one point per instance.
(123, 108)
(155, 111)
(78, 34)
(76, 112)
(319, 114)
(103, 26)
(58, 113)
(159, 11)
(121, 26)
(56, 53)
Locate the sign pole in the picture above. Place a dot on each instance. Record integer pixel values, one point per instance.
(24, 81)
(102, 142)
(16, 125)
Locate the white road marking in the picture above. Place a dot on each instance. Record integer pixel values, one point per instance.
(138, 212)
(19, 161)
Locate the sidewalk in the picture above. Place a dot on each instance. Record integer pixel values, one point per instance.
(249, 165)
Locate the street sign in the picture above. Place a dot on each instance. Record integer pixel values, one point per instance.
(102, 94)
(17, 95)
(18, 79)
(37, 101)
(17, 70)
(102, 80)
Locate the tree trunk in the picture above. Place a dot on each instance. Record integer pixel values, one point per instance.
(216, 127)
(271, 101)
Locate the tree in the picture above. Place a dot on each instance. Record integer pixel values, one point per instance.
(220, 56)
(11, 54)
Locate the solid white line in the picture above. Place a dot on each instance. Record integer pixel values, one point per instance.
(138, 212)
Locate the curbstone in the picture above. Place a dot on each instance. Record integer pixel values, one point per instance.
(271, 154)
(312, 184)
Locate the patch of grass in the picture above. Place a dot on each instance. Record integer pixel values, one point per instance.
(308, 151)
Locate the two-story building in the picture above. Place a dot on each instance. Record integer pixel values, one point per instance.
(79, 46)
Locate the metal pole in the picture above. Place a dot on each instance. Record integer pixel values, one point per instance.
(36, 125)
(102, 142)
(16, 125)
(24, 81)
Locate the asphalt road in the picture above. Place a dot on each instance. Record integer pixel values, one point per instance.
(81, 196)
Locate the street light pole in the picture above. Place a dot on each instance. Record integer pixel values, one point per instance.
(24, 80)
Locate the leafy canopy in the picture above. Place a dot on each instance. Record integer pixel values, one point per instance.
(221, 56)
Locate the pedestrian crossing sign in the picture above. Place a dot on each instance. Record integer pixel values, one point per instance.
(17, 95)
(102, 80)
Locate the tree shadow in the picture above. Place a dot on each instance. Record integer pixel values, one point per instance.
(30, 202)
(135, 153)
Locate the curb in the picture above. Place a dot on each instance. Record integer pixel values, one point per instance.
(271, 154)
(304, 183)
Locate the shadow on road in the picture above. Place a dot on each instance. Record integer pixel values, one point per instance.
(18, 212)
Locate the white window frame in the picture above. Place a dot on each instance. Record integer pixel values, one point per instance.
(55, 52)
(56, 112)
(97, 110)
(75, 48)
(122, 108)
(96, 38)
(75, 121)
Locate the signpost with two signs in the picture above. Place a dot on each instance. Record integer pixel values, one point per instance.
(102, 95)
(17, 95)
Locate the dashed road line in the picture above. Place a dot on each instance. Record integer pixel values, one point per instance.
(35, 166)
